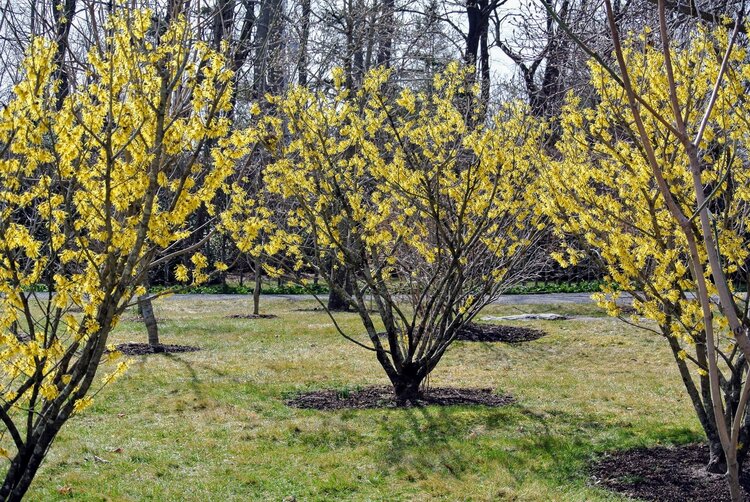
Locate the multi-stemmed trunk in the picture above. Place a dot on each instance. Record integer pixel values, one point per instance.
(25, 465)
(700, 396)
(407, 384)
(729, 421)
(717, 463)
(407, 372)
(44, 423)
(50, 419)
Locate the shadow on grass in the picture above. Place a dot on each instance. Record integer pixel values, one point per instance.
(188, 378)
(459, 441)
(422, 438)
(190, 366)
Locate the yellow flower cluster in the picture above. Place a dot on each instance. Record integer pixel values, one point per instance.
(381, 177)
(94, 188)
(405, 183)
(603, 189)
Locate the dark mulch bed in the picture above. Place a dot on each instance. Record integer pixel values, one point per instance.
(142, 349)
(251, 316)
(473, 332)
(665, 474)
(382, 397)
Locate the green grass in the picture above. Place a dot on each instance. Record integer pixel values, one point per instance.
(267, 288)
(537, 287)
(212, 425)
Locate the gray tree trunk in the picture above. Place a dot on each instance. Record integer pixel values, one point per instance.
(256, 289)
(338, 280)
(302, 60)
(146, 309)
(267, 44)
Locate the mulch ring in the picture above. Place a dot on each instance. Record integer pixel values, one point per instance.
(383, 397)
(664, 473)
(473, 332)
(142, 349)
(251, 316)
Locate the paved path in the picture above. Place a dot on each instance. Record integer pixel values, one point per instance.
(537, 299)
(550, 298)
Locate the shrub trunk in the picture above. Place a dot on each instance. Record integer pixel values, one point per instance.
(24, 467)
(149, 319)
(406, 385)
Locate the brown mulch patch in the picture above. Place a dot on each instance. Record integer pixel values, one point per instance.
(664, 473)
(251, 316)
(382, 397)
(142, 349)
(473, 332)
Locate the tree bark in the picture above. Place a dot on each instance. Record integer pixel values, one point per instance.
(267, 41)
(223, 21)
(387, 29)
(406, 386)
(304, 38)
(717, 463)
(474, 17)
(337, 301)
(146, 309)
(25, 464)
(357, 41)
(484, 61)
(63, 14)
(256, 289)
(733, 476)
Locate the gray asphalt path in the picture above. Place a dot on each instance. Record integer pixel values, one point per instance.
(549, 298)
(537, 299)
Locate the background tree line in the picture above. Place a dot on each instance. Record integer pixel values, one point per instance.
(518, 50)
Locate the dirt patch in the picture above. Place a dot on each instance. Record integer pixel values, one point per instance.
(665, 474)
(142, 349)
(473, 332)
(251, 316)
(383, 397)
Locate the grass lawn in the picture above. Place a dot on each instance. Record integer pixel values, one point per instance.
(212, 425)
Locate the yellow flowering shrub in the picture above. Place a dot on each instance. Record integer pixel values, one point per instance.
(601, 195)
(92, 194)
(426, 211)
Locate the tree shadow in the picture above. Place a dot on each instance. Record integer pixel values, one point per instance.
(421, 438)
(195, 382)
(557, 445)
